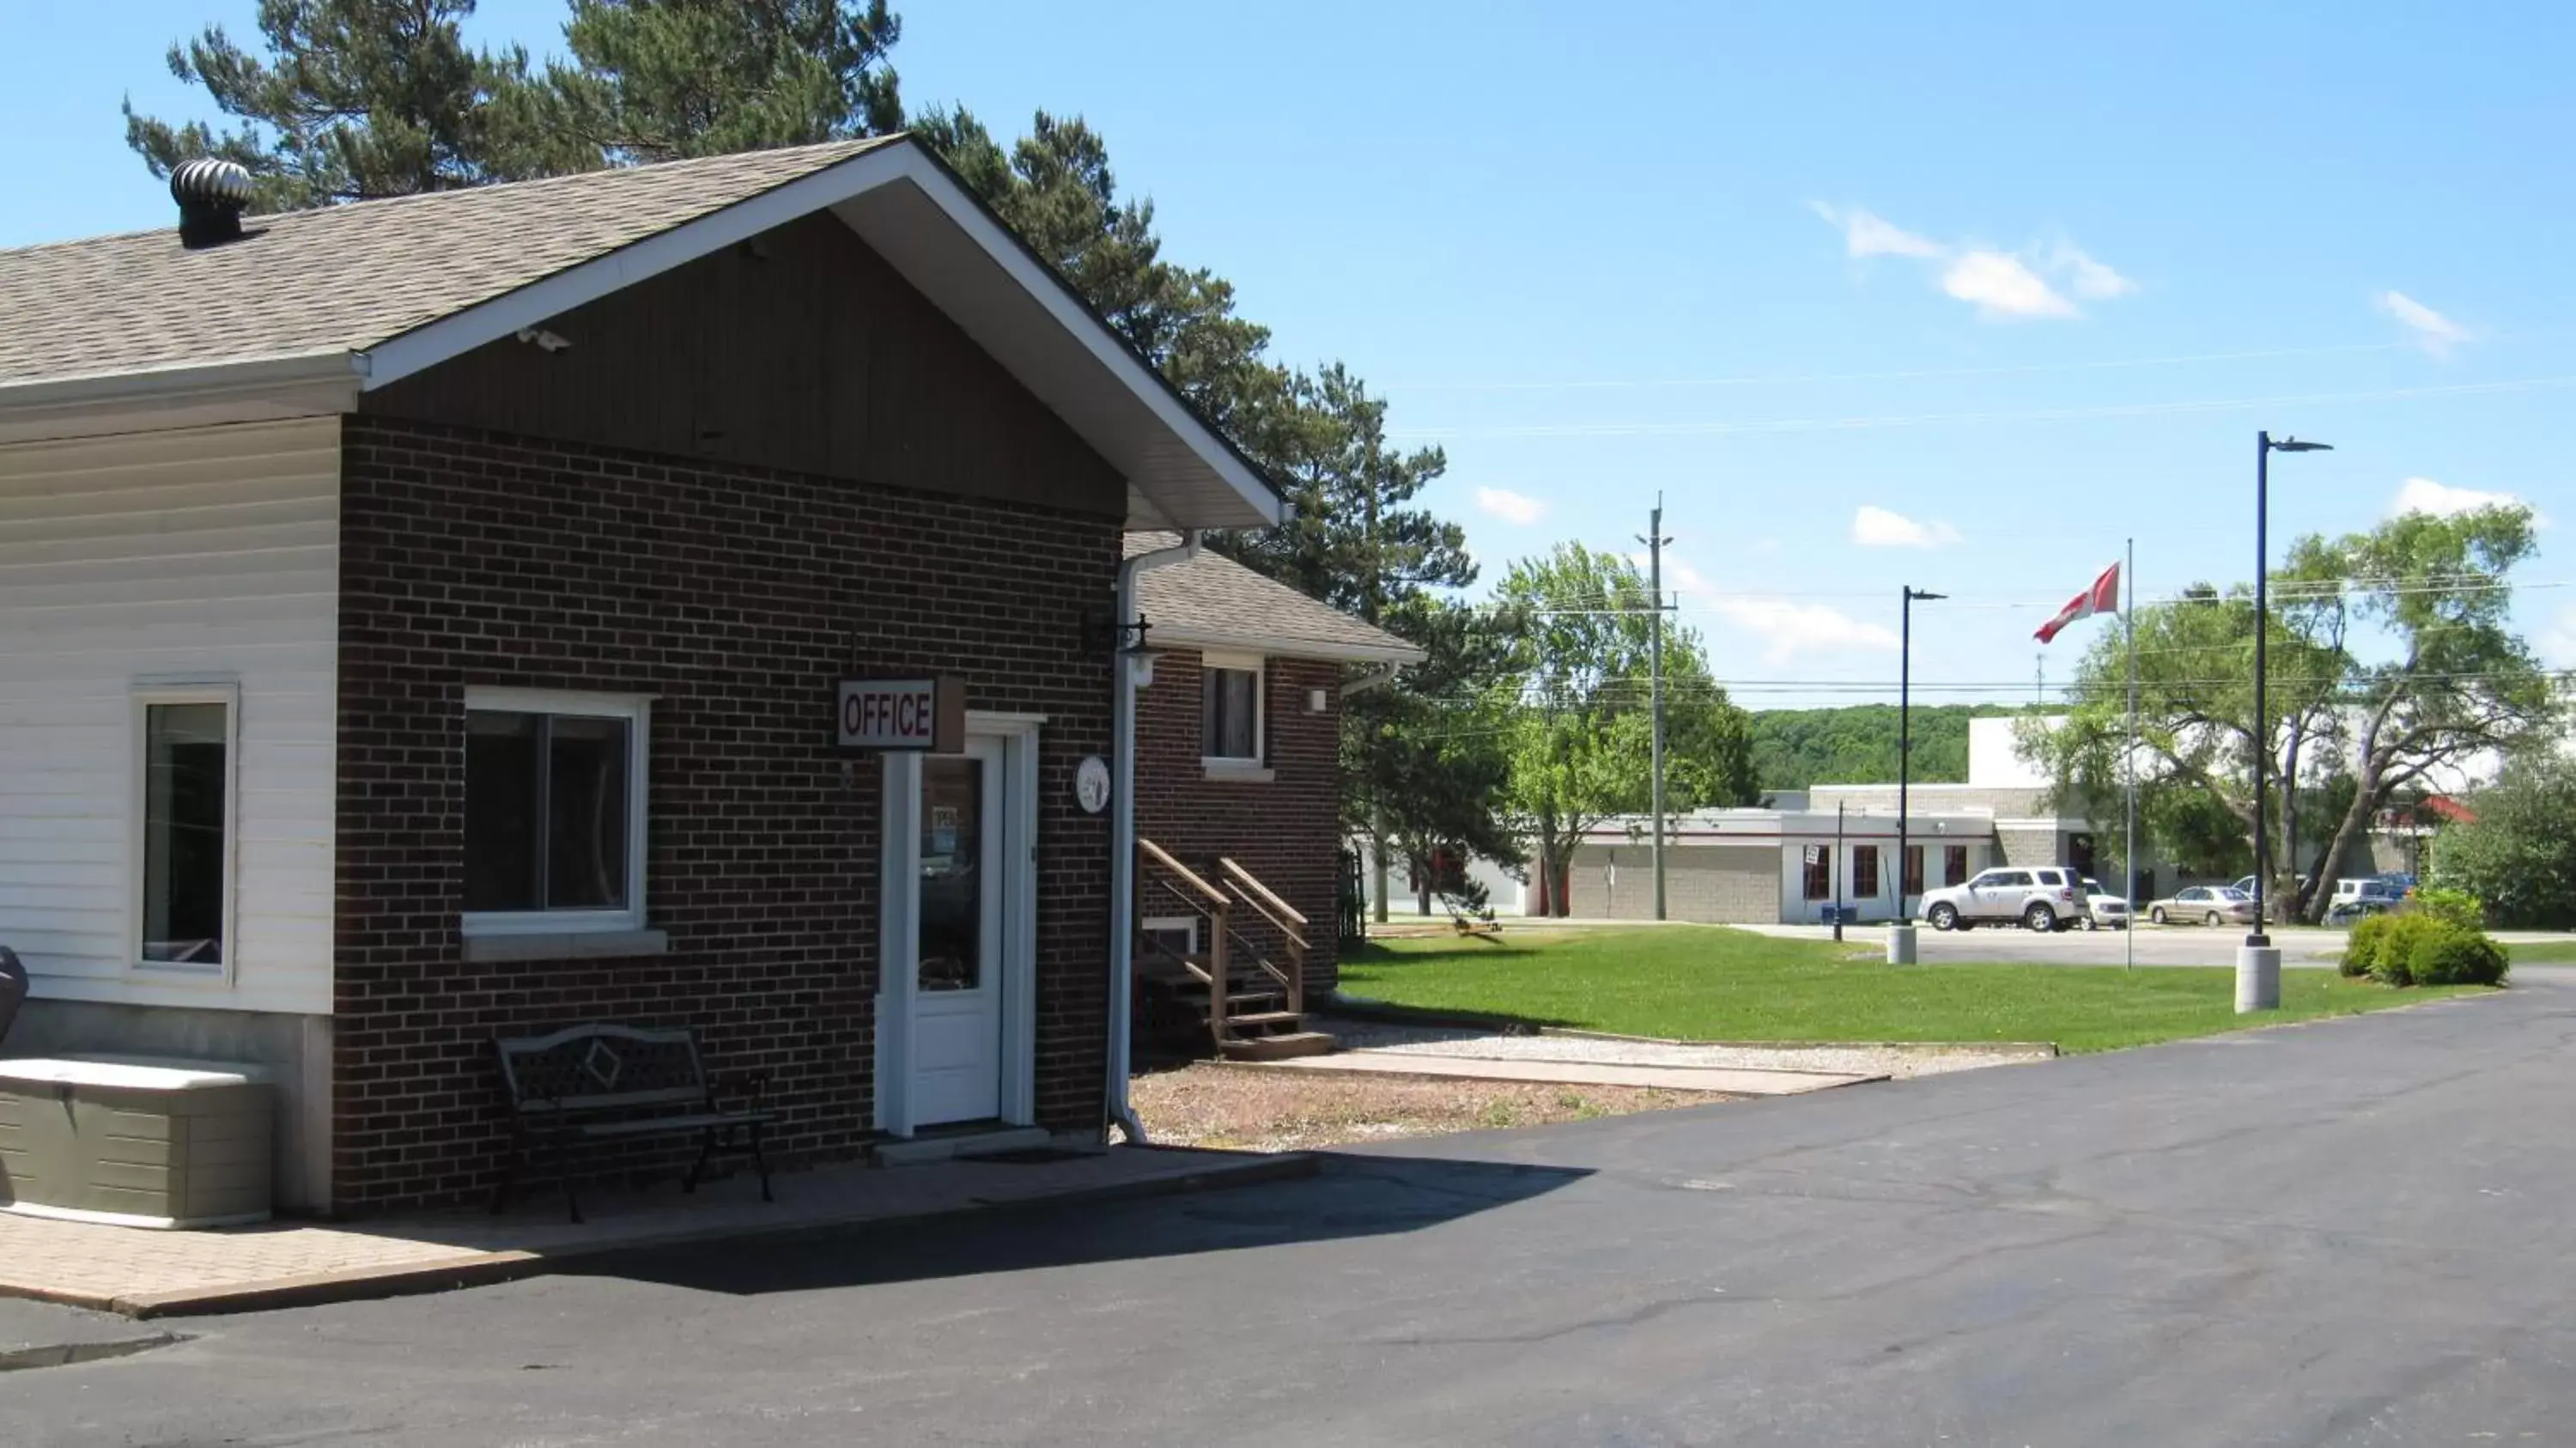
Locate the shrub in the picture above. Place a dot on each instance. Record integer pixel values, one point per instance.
(2393, 963)
(2449, 955)
(2360, 952)
(2456, 908)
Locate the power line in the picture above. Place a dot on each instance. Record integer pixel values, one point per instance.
(1901, 374)
(2055, 414)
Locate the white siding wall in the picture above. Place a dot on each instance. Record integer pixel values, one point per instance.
(199, 553)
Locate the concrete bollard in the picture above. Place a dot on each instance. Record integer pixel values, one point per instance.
(1900, 943)
(2258, 978)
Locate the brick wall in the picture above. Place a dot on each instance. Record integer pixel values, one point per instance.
(1285, 830)
(736, 597)
(1715, 884)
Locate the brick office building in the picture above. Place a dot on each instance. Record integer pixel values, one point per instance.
(1239, 739)
(430, 620)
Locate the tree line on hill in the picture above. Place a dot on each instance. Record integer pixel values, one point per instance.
(1856, 744)
(1525, 726)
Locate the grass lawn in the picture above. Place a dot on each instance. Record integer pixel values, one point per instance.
(1711, 983)
(2547, 952)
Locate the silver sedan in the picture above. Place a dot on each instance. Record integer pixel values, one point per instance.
(2204, 905)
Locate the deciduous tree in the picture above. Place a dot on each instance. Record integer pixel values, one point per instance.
(1580, 735)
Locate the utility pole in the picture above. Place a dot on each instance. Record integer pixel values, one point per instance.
(1655, 541)
(1377, 807)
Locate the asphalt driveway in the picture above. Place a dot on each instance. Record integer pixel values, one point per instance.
(2350, 1232)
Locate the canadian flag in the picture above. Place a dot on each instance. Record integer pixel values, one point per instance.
(2102, 597)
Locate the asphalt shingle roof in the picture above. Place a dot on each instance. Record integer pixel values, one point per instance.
(347, 278)
(1211, 599)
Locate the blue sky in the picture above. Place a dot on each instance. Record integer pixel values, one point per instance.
(1960, 296)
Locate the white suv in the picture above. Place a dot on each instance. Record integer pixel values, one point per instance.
(2043, 897)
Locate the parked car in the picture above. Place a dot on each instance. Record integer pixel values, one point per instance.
(2204, 905)
(2379, 890)
(2272, 898)
(2102, 910)
(2044, 897)
(2351, 912)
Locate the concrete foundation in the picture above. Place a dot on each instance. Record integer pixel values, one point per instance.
(1900, 943)
(295, 1049)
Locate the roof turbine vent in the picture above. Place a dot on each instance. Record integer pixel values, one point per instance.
(211, 194)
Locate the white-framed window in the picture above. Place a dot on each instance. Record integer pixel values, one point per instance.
(555, 811)
(1230, 709)
(186, 829)
(1174, 934)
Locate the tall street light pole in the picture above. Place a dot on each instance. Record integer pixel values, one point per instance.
(1900, 933)
(2258, 965)
(1655, 541)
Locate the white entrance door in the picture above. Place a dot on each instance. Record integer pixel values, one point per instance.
(958, 939)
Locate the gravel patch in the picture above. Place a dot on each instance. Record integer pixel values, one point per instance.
(1892, 1060)
(1248, 1109)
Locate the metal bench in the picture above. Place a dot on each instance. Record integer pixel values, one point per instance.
(607, 1083)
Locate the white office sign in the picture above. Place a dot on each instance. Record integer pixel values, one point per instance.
(1815, 854)
(926, 714)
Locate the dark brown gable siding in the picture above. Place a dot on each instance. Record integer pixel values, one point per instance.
(735, 595)
(802, 350)
(1286, 831)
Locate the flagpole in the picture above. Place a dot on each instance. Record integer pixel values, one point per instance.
(2129, 853)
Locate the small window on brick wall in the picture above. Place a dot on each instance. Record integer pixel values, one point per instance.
(1230, 709)
(554, 812)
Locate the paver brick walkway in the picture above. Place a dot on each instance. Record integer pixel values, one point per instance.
(149, 1273)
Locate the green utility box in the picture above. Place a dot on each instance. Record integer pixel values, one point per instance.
(136, 1141)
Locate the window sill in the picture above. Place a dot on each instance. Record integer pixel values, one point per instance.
(566, 945)
(1239, 771)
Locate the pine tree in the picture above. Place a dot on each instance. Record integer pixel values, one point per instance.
(657, 80)
(360, 99)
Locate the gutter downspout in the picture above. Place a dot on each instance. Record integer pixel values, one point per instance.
(1126, 673)
(1376, 678)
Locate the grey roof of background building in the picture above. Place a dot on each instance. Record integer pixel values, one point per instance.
(346, 278)
(1215, 602)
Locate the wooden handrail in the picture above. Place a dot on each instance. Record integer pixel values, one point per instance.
(1287, 932)
(1279, 908)
(1159, 856)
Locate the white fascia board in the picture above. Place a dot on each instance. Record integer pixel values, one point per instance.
(901, 161)
(1272, 646)
(265, 389)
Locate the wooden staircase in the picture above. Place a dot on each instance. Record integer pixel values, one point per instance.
(1241, 994)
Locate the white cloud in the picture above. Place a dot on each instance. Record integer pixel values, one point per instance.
(1677, 574)
(1509, 506)
(2558, 641)
(1874, 527)
(2423, 495)
(1868, 235)
(2434, 332)
(2002, 285)
(1788, 629)
(2092, 280)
